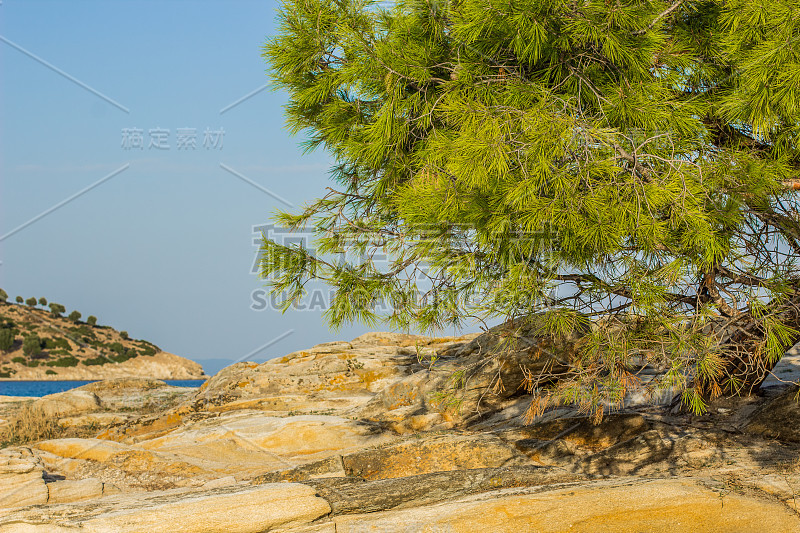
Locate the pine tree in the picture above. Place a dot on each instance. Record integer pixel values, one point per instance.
(627, 169)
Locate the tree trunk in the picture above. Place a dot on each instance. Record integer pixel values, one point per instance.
(746, 363)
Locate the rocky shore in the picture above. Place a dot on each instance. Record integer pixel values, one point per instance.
(370, 435)
(161, 365)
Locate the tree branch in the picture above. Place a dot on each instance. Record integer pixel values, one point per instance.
(660, 16)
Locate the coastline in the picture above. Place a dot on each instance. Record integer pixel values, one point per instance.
(162, 365)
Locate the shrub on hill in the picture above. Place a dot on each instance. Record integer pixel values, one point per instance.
(6, 339)
(56, 343)
(3, 295)
(26, 362)
(51, 372)
(43, 301)
(56, 309)
(99, 360)
(74, 316)
(64, 361)
(19, 299)
(31, 345)
(124, 335)
(92, 320)
(124, 356)
(31, 302)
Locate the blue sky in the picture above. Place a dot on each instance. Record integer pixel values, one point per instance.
(163, 248)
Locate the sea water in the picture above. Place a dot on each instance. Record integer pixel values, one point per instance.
(42, 388)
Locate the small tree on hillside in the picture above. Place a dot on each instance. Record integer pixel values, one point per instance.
(92, 320)
(31, 345)
(19, 299)
(31, 302)
(74, 316)
(3, 295)
(622, 169)
(43, 301)
(6, 339)
(56, 309)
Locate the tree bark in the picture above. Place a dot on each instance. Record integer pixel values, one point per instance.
(746, 365)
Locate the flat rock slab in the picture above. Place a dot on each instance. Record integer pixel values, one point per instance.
(354, 495)
(631, 506)
(433, 454)
(71, 402)
(21, 479)
(230, 509)
(779, 418)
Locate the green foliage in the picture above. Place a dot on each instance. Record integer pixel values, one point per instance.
(56, 309)
(3, 295)
(31, 345)
(6, 339)
(51, 372)
(31, 302)
(147, 350)
(43, 301)
(75, 316)
(124, 356)
(116, 347)
(26, 362)
(551, 163)
(83, 330)
(124, 335)
(92, 320)
(99, 360)
(64, 362)
(57, 342)
(19, 299)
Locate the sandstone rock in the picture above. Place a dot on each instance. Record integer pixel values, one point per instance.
(549, 453)
(94, 420)
(137, 394)
(582, 432)
(71, 402)
(21, 479)
(630, 456)
(778, 418)
(325, 527)
(244, 444)
(19, 490)
(432, 454)
(331, 467)
(677, 506)
(471, 379)
(354, 495)
(337, 375)
(231, 509)
(248, 443)
(74, 490)
(125, 465)
(226, 481)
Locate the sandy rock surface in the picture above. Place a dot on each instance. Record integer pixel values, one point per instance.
(354, 436)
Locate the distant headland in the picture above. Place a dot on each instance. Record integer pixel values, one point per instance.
(39, 341)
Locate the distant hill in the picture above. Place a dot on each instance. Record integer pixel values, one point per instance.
(38, 343)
